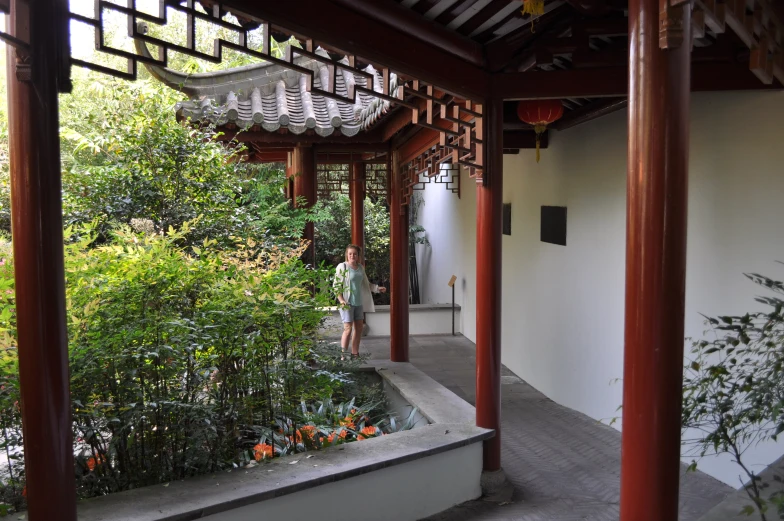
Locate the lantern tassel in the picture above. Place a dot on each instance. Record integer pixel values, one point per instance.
(533, 8)
(539, 129)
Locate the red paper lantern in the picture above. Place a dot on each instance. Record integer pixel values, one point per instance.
(539, 113)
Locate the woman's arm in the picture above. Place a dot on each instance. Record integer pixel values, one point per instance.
(339, 283)
(374, 288)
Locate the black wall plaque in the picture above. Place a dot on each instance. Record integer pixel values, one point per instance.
(507, 219)
(554, 225)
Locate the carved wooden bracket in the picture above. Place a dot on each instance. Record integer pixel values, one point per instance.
(671, 30)
(20, 38)
(755, 24)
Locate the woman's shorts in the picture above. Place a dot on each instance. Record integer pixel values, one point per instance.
(351, 314)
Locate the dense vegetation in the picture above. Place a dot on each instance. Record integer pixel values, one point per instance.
(192, 321)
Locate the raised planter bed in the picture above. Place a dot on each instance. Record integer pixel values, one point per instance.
(403, 476)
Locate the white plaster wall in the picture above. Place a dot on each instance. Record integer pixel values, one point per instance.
(450, 224)
(423, 319)
(563, 306)
(430, 485)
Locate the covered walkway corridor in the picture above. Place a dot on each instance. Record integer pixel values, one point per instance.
(563, 465)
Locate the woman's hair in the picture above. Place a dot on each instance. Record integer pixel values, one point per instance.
(355, 248)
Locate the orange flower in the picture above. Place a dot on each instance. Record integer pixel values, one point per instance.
(95, 461)
(309, 431)
(368, 432)
(348, 422)
(262, 450)
(342, 436)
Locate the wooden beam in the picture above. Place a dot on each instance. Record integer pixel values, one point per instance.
(373, 40)
(429, 32)
(613, 82)
(501, 51)
(269, 157)
(573, 83)
(588, 112)
(400, 119)
(524, 139)
(484, 14)
(356, 148)
(425, 139)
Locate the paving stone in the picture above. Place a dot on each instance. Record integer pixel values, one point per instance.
(564, 465)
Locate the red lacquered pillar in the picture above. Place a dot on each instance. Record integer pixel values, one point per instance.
(37, 227)
(304, 171)
(398, 230)
(357, 196)
(657, 182)
(489, 197)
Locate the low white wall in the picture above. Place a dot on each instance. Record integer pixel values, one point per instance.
(562, 322)
(423, 319)
(429, 485)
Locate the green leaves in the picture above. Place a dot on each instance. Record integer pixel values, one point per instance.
(733, 394)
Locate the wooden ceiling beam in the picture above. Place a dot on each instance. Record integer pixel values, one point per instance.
(503, 50)
(431, 9)
(613, 82)
(405, 49)
(404, 20)
(456, 10)
(485, 14)
(589, 112)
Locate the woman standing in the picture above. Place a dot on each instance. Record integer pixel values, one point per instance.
(353, 290)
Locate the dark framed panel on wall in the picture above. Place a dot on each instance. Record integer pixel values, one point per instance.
(554, 225)
(507, 219)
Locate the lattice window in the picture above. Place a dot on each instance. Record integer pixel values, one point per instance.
(433, 166)
(332, 179)
(376, 180)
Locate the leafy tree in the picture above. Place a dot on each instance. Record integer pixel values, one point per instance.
(733, 391)
(127, 160)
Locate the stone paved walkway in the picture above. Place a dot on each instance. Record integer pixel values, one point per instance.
(564, 465)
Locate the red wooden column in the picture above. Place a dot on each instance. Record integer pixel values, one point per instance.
(489, 197)
(37, 227)
(304, 171)
(357, 196)
(657, 181)
(289, 177)
(398, 230)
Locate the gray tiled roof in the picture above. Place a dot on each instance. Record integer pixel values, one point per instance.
(272, 97)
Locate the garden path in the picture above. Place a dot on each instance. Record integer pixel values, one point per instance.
(563, 465)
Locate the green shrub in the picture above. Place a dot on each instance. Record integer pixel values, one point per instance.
(733, 391)
(181, 358)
